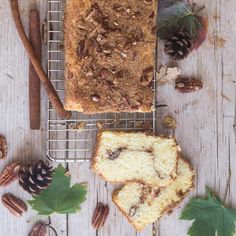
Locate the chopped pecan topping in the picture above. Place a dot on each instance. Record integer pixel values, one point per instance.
(154, 30)
(104, 73)
(95, 44)
(69, 74)
(107, 49)
(188, 85)
(147, 76)
(101, 39)
(152, 15)
(123, 73)
(117, 7)
(81, 49)
(96, 98)
(100, 215)
(94, 14)
(136, 14)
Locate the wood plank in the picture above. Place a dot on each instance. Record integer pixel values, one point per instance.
(99, 191)
(23, 144)
(205, 119)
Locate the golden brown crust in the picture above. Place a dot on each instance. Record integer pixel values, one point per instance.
(114, 75)
(96, 147)
(168, 209)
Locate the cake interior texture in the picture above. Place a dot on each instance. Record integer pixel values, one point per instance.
(143, 204)
(122, 156)
(109, 55)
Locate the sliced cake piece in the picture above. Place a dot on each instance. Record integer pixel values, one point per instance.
(142, 204)
(122, 156)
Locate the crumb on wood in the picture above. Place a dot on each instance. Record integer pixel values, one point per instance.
(217, 41)
(226, 97)
(216, 17)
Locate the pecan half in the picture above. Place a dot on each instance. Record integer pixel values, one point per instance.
(114, 155)
(100, 215)
(94, 14)
(3, 147)
(15, 205)
(96, 97)
(9, 174)
(82, 50)
(39, 229)
(188, 85)
(147, 76)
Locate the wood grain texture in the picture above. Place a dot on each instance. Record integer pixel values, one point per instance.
(206, 125)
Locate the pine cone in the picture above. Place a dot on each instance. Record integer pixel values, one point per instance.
(178, 46)
(35, 177)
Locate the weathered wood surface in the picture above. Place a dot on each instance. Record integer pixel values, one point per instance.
(206, 125)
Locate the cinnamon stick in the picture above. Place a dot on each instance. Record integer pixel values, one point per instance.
(34, 81)
(51, 92)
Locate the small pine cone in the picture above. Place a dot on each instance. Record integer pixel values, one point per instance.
(178, 46)
(35, 177)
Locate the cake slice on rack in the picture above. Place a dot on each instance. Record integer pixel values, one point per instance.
(121, 157)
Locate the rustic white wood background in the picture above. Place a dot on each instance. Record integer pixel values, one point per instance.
(206, 125)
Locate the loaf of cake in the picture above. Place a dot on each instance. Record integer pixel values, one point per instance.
(121, 157)
(109, 55)
(143, 204)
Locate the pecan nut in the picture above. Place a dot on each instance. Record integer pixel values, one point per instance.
(81, 50)
(132, 210)
(3, 147)
(188, 85)
(15, 205)
(169, 122)
(39, 229)
(115, 154)
(147, 76)
(9, 174)
(100, 215)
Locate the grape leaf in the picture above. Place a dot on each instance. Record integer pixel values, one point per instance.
(210, 216)
(59, 197)
(176, 15)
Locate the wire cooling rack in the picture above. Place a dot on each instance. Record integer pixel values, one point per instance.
(73, 140)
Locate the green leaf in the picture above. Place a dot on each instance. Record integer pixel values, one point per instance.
(210, 216)
(176, 15)
(59, 197)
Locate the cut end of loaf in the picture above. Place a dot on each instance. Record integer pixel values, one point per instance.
(121, 157)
